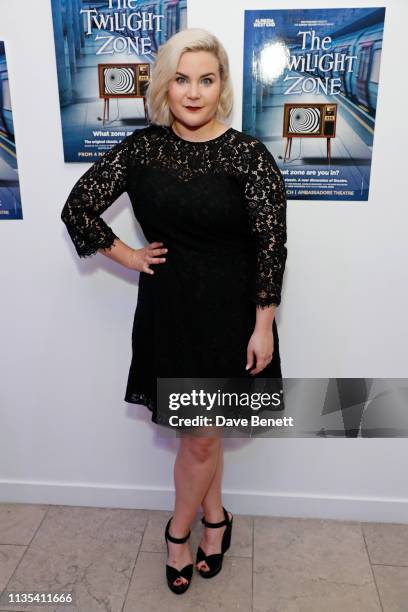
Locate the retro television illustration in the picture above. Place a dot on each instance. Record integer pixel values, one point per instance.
(309, 120)
(123, 81)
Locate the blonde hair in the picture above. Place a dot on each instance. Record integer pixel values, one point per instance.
(165, 67)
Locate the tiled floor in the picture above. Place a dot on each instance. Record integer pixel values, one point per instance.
(114, 560)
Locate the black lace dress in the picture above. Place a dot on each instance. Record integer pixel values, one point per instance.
(220, 208)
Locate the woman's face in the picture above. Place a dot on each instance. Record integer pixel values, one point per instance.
(194, 91)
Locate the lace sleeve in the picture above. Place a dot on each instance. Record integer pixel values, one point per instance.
(91, 195)
(266, 203)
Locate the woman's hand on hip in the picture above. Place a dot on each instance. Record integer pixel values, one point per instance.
(260, 350)
(141, 259)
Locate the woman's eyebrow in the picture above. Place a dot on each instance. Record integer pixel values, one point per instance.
(203, 75)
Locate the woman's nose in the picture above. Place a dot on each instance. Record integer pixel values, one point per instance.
(193, 91)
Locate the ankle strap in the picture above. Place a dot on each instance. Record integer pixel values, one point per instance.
(220, 524)
(176, 540)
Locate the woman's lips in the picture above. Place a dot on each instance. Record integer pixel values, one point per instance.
(193, 108)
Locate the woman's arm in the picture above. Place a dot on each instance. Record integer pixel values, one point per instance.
(265, 197)
(266, 201)
(265, 317)
(93, 193)
(119, 252)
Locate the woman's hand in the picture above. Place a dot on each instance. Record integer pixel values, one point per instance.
(260, 347)
(141, 259)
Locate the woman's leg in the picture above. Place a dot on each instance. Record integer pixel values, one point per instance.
(212, 503)
(213, 512)
(194, 468)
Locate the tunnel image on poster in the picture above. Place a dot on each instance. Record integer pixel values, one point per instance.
(10, 198)
(104, 54)
(310, 90)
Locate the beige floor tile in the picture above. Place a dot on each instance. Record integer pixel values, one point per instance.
(153, 538)
(89, 550)
(229, 591)
(387, 543)
(9, 559)
(392, 585)
(300, 565)
(18, 522)
(311, 565)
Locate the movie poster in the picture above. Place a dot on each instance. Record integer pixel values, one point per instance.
(311, 79)
(104, 52)
(10, 199)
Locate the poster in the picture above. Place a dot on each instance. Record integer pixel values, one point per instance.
(310, 89)
(104, 52)
(10, 199)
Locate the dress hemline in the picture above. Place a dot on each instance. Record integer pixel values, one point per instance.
(143, 400)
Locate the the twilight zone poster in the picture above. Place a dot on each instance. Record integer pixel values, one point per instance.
(311, 79)
(104, 53)
(10, 199)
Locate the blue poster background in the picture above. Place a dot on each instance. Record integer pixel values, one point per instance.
(10, 198)
(88, 33)
(307, 56)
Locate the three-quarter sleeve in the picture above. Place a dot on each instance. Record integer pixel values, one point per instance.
(265, 197)
(92, 194)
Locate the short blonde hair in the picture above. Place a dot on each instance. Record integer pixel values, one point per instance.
(165, 67)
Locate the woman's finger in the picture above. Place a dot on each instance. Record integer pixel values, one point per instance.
(155, 260)
(155, 244)
(157, 251)
(257, 368)
(261, 364)
(147, 269)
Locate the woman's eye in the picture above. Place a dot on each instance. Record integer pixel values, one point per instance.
(206, 81)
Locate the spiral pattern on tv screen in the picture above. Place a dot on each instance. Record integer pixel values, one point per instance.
(119, 81)
(304, 120)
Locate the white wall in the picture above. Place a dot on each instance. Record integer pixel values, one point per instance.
(67, 436)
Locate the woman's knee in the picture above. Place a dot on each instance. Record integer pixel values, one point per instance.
(200, 449)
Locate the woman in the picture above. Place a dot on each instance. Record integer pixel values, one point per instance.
(211, 203)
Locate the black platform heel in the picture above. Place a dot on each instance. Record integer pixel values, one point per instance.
(214, 561)
(171, 572)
